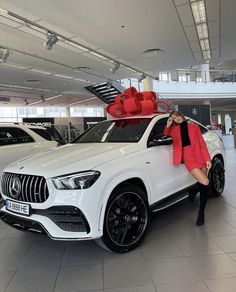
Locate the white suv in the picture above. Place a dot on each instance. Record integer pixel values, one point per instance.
(20, 140)
(104, 185)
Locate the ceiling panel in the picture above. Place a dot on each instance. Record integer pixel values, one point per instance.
(121, 30)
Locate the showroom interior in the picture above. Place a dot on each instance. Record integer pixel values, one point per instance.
(62, 64)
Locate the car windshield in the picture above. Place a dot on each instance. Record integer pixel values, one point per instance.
(118, 131)
(49, 133)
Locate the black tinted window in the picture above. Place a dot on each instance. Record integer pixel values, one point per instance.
(158, 129)
(43, 133)
(13, 136)
(128, 130)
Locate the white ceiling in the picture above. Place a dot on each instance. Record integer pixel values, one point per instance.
(164, 24)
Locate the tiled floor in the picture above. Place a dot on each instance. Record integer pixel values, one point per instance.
(176, 256)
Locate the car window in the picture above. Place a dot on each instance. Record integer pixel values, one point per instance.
(13, 135)
(158, 129)
(127, 130)
(43, 133)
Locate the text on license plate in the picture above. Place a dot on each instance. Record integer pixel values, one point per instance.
(17, 207)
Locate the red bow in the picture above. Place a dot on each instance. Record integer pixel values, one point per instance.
(132, 103)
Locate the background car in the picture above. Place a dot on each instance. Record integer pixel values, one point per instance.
(104, 185)
(19, 140)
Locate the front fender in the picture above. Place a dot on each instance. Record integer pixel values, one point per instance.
(116, 180)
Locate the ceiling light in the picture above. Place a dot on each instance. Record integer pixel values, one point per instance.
(199, 11)
(33, 81)
(82, 68)
(4, 54)
(152, 52)
(142, 77)
(16, 66)
(130, 69)
(40, 72)
(75, 45)
(98, 55)
(202, 30)
(52, 97)
(200, 19)
(206, 54)
(3, 12)
(79, 79)
(63, 76)
(51, 40)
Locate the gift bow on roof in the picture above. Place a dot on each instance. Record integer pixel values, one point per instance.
(132, 103)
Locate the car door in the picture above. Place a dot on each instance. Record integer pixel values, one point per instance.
(165, 178)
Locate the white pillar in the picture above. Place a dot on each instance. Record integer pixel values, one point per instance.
(205, 72)
(148, 84)
(67, 112)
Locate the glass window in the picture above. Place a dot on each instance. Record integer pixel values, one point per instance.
(43, 133)
(13, 135)
(158, 129)
(127, 130)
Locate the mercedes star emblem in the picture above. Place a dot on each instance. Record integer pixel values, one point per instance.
(15, 187)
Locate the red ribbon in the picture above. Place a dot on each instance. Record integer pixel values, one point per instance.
(131, 103)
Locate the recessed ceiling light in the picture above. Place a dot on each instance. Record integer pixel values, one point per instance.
(152, 52)
(84, 68)
(33, 81)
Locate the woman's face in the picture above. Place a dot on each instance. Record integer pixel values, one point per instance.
(177, 119)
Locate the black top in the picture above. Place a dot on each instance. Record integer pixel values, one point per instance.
(184, 134)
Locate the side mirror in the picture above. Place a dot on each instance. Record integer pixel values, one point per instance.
(162, 140)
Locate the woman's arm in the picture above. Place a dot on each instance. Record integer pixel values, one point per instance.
(204, 150)
(168, 128)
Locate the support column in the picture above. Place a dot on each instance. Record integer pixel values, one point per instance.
(67, 112)
(205, 74)
(148, 84)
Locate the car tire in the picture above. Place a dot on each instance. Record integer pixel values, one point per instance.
(126, 219)
(216, 178)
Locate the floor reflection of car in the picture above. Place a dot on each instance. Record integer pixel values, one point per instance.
(104, 185)
(19, 140)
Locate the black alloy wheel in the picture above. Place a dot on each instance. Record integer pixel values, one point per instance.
(217, 178)
(126, 219)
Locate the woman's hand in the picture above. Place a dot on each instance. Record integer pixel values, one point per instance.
(169, 122)
(208, 165)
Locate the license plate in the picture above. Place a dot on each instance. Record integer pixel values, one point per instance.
(19, 208)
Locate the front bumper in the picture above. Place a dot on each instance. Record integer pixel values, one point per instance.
(58, 222)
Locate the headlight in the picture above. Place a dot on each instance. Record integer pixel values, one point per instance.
(76, 181)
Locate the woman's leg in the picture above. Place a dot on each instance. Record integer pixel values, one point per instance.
(200, 175)
(203, 182)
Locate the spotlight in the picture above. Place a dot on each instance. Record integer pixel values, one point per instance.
(51, 40)
(42, 98)
(116, 67)
(141, 77)
(4, 54)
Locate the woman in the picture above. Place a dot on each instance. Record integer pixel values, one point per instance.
(190, 148)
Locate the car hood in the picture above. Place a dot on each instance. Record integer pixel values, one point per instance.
(71, 158)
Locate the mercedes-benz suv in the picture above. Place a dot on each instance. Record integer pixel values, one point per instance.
(104, 185)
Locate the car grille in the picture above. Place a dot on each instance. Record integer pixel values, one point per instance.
(27, 188)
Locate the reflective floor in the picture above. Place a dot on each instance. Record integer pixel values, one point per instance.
(176, 256)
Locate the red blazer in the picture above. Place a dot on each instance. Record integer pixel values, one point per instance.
(198, 146)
